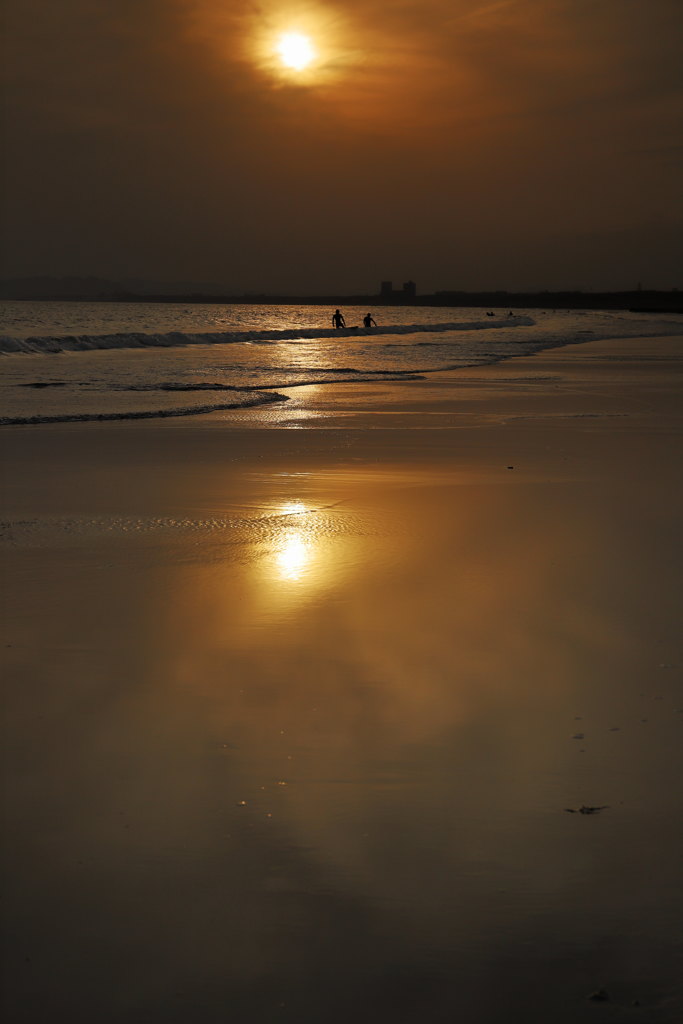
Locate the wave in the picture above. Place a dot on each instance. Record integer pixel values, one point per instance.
(175, 339)
(244, 397)
(247, 401)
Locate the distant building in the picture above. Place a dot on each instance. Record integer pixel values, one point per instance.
(390, 294)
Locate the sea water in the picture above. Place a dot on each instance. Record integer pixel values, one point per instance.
(106, 360)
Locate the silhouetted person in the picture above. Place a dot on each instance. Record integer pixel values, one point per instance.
(368, 322)
(338, 320)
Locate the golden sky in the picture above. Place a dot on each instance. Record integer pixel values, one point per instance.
(462, 143)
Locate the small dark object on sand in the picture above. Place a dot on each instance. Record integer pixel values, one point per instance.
(599, 996)
(585, 809)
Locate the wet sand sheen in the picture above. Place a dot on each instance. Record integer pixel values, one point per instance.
(294, 715)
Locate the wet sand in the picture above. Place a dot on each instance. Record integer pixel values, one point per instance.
(298, 699)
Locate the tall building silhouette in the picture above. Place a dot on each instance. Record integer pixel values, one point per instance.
(390, 294)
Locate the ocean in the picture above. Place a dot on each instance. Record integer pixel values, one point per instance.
(79, 361)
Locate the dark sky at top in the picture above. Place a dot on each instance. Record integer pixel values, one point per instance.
(462, 143)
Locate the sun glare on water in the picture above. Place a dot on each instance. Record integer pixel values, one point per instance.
(295, 51)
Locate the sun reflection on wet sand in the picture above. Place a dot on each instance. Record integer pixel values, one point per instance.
(297, 536)
(293, 540)
(293, 557)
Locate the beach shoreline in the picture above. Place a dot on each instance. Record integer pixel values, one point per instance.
(298, 698)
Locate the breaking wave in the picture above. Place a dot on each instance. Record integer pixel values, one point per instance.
(177, 339)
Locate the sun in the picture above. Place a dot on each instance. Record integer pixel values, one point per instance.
(295, 51)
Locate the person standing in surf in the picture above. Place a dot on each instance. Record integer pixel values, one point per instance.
(368, 321)
(338, 320)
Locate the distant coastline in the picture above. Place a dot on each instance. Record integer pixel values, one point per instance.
(74, 289)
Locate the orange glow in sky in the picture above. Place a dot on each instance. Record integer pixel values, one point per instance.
(475, 144)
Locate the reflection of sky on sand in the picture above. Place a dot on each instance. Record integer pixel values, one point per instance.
(371, 670)
(408, 657)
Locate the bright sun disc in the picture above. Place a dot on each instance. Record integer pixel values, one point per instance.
(295, 51)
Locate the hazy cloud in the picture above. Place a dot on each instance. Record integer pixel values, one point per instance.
(456, 141)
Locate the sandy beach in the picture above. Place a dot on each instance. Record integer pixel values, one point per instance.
(303, 703)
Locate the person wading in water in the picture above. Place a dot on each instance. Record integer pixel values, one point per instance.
(338, 320)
